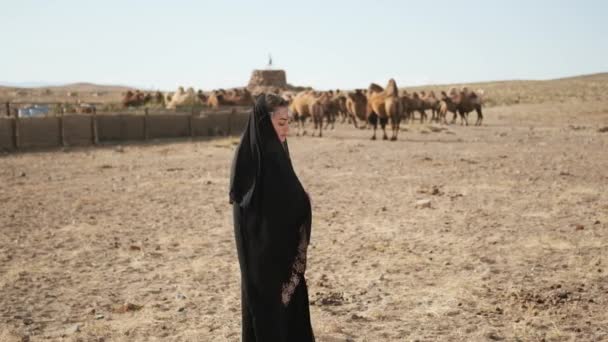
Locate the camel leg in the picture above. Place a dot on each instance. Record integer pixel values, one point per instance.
(373, 120)
(328, 119)
(383, 122)
(479, 116)
(463, 117)
(321, 127)
(395, 121)
(303, 121)
(299, 123)
(453, 117)
(354, 120)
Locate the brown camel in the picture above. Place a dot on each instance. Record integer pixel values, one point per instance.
(300, 108)
(450, 106)
(356, 105)
(429, 101)
(323, 107)
(133, 99)
(317, 105)
(384, 105)
(232, 97)
(467, 101)
(411, 104)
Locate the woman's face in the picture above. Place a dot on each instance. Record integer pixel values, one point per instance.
(280, 122)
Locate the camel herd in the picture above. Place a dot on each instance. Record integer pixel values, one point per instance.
(188, 97)
(377, 105)
(374, 105)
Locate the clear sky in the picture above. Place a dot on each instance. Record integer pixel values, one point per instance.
(324, 44)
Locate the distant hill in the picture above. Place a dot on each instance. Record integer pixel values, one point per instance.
(82, 91)
(592, 87)
(80, 86)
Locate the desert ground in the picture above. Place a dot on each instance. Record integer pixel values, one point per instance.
(452, 233)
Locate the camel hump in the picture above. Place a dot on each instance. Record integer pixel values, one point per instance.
(391, 88)
(374, 88)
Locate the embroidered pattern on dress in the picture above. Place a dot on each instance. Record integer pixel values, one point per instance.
(297, 269)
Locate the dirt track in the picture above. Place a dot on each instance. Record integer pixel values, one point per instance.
(514, 245)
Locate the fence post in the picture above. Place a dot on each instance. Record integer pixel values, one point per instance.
(191, 124)
(94, 134)
(145, 123)
(16, 130)
(62, 130)
(230, 121)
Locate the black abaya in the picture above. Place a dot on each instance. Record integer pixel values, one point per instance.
(272, 225)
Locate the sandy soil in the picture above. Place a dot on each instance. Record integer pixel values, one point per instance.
(514, 245)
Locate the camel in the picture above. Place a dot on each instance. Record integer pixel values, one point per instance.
(411, 104)
(450, 106)
(384, 105)
(408, 105)
(182, 98)
(421, 102)
(467, 102)
(429, 101)
(356, 105)
(341, 110)
(232, 97)
(201, 96)
(133, 99)
(333, 104)
(442, 110)
(300, 108)
(324, 106)
(316, 105)
(159, 98)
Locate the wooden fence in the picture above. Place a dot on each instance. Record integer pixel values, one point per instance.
(86, 129)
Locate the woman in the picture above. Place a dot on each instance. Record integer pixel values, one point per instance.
(272, 224)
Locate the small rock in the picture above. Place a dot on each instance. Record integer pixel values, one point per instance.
(580, 227)
(603, 129)
(22, 174)
(495, 336)
(425, 203)
(100, 316)
(181, 309)
(126, 307)
(180, 296)
(73, 329)
(135, 248)
(452, 313)
(597, 222)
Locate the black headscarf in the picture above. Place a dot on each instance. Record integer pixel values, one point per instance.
(271, 210)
